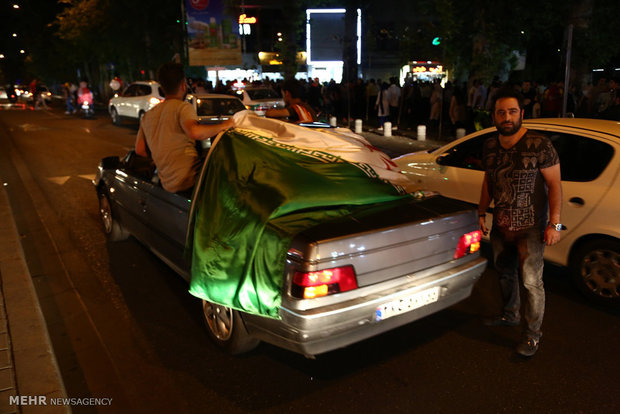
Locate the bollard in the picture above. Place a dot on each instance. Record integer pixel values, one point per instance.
(460, 133)
(333, 121)
(358, 126)
(421, 132)
(387, 129)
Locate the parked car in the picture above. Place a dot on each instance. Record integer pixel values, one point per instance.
(589, 153)
(370, 271)
(133, 103)
(259, 99)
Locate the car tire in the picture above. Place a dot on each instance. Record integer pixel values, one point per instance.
(595, 266)
(111, 227)
(226, 329)
(116, 118)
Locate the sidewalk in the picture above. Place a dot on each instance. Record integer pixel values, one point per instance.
(28, 368)
(402, 141)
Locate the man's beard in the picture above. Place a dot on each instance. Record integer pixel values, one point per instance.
(510, 128)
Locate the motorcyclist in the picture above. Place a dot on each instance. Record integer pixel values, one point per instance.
(85, 98)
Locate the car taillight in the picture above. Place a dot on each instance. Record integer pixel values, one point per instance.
(468, 243)
(154, 101)
(325, 282)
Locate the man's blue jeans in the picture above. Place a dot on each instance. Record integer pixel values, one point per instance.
(521, 250)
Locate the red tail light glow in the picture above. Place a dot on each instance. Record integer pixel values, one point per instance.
(468, 243)
(309, 285)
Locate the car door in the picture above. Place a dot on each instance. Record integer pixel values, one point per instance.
(459, 169)
(586, 179)
(139, 101)
(167, 214)
(123, 106)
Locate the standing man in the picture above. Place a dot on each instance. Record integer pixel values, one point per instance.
(393, 96)
(522, 177)
(296, 110)
(169, 131)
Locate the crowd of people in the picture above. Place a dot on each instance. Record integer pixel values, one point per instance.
(465, 105)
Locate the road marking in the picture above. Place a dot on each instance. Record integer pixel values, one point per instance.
(32, 127)
(61, 180)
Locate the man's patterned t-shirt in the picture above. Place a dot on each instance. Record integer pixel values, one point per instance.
(515, 182)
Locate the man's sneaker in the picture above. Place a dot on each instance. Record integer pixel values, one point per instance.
(528, 346)
(502, 321)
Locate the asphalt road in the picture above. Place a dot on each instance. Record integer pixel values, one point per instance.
(123, 325)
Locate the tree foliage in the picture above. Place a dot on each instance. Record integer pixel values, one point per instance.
(117, 36)
(480, 35)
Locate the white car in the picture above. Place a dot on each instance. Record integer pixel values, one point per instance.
(589, 151)
(260, 99)
(133, 103)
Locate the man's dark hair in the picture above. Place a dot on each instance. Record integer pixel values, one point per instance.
(508, 92)
(170, 76)
(293, 87)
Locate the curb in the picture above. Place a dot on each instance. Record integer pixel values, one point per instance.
(30, 358)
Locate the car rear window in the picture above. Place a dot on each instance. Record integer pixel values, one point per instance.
(218, 106)
(262, 94)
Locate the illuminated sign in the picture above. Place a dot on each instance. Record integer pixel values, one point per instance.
(244, 19)
(430, 69)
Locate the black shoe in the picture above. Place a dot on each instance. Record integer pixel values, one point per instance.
(528, 346)
(501, 321)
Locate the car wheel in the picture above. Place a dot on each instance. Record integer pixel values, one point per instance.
(226, 329)
(140, 116)
(596, 270)
(112, 228)
(116, 118)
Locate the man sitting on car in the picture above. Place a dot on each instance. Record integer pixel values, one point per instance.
(296, 109)
(169, 131)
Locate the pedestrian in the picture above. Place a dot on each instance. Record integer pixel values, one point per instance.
(458, 109)
(522, 178)
(436, 104)
(383, 105)
(40, 97)
(393, 94)
(68, 95)
(168, 133)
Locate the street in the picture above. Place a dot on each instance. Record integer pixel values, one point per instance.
(123, 325)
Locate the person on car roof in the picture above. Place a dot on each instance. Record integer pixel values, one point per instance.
(296, 109)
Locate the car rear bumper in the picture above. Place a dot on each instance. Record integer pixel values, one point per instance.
(325, 329)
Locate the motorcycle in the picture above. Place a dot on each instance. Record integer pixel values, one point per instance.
(87, 108)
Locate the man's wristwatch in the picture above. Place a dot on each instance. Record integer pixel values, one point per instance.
(556, 226)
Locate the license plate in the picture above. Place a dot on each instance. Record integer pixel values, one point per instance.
(406, 303)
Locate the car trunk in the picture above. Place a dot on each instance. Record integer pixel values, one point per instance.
(387, 241)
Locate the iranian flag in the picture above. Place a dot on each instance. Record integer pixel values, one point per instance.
(264, 182)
